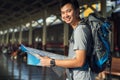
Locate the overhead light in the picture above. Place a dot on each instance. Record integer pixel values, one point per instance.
(10, 30)
(1, 32)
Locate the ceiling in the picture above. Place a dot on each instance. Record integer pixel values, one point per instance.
(17, 12)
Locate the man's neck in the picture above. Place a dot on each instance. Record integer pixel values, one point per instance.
(75, 23)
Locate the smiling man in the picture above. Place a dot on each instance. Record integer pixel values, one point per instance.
(78, 45)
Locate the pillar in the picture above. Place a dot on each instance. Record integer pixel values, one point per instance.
(30, 35)
(66, 35)
(7, 36)
(20, 35)
(13, 36)
(44, 31)
(3, 37)
(103, 8)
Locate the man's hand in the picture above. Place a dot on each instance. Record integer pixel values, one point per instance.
(45, 61)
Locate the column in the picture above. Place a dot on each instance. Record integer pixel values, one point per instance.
(20, 35)
(3, 37)
(103, 8)
(30, 34)
(66, 35)
(13, 36)
(111, 36)
(7, 36)
(44, 31)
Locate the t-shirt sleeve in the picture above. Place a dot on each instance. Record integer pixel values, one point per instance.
(81, 38)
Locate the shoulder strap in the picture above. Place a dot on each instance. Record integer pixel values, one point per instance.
(68, 74)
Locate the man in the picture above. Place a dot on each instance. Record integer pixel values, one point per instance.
(78, 45)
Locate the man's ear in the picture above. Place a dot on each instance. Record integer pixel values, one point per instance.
(77, 13)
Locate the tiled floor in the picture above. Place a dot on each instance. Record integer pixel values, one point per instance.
(19, 70)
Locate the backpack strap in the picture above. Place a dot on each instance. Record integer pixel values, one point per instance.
(68, 74)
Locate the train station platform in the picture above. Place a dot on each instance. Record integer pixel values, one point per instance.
(17, 69)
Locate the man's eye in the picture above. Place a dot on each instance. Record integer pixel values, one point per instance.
(69, 10)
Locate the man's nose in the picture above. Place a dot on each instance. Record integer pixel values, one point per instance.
(66, 15)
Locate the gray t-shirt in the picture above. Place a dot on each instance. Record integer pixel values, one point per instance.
(80, 40)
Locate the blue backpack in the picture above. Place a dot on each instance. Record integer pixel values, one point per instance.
(100, 29)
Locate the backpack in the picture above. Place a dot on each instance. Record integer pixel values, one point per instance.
(100, 29)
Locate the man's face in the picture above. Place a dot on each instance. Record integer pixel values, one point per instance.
(67, 13)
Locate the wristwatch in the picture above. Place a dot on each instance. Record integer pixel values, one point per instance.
(52, 63)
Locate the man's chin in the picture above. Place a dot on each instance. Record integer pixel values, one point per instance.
(68, 22)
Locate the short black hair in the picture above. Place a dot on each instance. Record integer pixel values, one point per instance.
(73, 2)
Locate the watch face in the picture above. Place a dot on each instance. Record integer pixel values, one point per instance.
(52, 63)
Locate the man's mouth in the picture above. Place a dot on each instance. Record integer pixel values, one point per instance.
(68, 19)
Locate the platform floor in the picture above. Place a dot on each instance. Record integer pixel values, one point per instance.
(19, 70)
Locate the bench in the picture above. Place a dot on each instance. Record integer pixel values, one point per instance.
(115, 67)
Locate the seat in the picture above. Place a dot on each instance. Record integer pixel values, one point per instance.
(115, 68)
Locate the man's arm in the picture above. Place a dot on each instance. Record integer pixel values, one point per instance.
(78, 61)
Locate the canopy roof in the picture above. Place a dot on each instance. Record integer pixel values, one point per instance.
(17, 12)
